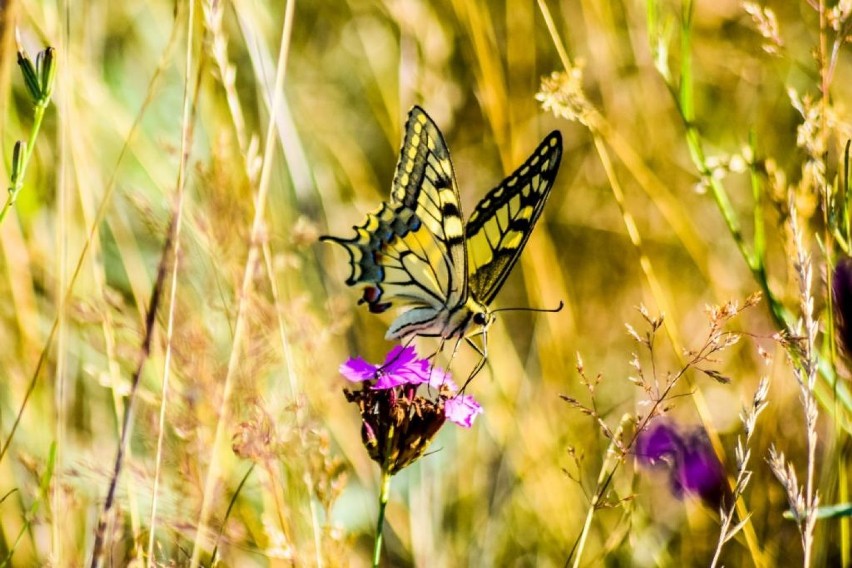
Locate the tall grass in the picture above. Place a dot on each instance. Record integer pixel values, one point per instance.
(212, 142)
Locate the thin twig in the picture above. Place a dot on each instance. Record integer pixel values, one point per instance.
(144, 352)
(186, 144)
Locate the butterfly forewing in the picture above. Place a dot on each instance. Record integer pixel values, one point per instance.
(503, 221)
(425, 182)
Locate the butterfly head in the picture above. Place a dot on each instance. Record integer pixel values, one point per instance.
(484, 318)
(479, 317)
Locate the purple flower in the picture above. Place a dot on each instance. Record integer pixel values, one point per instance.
(659, 442)
(398, 424)
(841, 285)
(689, 458)
(700, 472)
(356, 370)
(401, 367)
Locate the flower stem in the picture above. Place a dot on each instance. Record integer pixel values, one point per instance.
(383, 501)
(18, 183)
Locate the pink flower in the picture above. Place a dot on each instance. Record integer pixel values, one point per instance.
(401, 367)
(398, 424)
(458, 409)
(462, 410)
(440, 378)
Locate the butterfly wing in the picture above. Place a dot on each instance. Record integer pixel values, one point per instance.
(503, 221)
(424, 181)
(410, 253)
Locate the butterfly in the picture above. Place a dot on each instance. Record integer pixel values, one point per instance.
(415, 252)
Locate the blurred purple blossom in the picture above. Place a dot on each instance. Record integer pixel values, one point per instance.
(659, 442)
(841, 285)
(699, 470)
(689, 457)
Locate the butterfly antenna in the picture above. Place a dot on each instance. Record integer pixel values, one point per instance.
(540, 310)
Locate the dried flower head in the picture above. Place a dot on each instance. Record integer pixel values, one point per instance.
(255, 438)
(562, 94)
(398, 424)
(767, 26)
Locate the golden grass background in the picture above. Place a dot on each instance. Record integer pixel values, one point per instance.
(501, 494)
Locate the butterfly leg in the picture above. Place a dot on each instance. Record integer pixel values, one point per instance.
(452, 355)
(434, 357)
(455, 350)
(483, 354)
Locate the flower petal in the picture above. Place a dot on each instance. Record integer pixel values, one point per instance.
(387, 381)
(462, 410)
(441, 378)
(700, 472)
(356, 370)
(398, 358)
(402, 366)
(660, 441)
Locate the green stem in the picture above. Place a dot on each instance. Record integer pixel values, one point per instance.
(605, 477)
(753, 258)
(383, 502)
(18, 182)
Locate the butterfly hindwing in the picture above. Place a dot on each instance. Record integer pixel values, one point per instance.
(501, 224)
(410, 253)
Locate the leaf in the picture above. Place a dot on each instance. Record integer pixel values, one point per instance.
(736, 528)
(827, 512)
(716, 376)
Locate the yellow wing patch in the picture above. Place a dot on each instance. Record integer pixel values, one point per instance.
(503, 221)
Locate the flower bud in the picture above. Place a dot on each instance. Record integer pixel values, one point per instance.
(31, 79)
(46, 67)
(18, 162)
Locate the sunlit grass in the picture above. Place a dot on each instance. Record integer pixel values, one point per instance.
(256, 130)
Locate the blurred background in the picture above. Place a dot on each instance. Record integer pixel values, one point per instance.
(248, 430)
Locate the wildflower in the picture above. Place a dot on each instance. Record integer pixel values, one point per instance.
(401, 367)
(398, 424)
(562, 94)
(658, 443)
(841, 284)
(700, 471)
(689, 457)
(462, 410)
